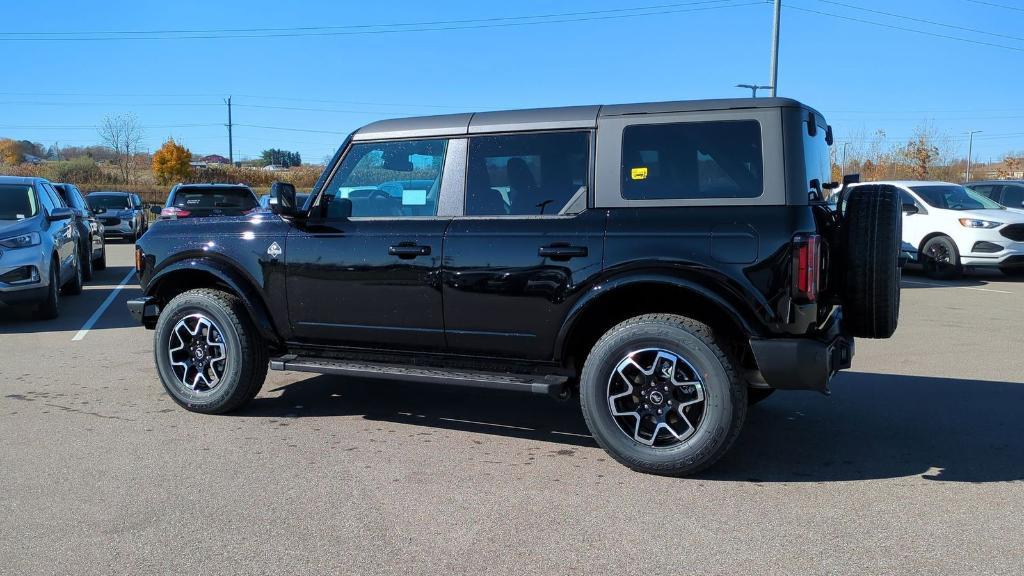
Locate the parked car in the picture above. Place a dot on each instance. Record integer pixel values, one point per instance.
(205, 200)
(38, 246)
(92, 246)
(947, 227)
(124, 216)
(664, 259)
(1009, 193)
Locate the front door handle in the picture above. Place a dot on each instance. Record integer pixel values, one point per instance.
(408, 250)
(562, 251)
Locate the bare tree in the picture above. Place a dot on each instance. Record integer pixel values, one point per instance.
(123, 134)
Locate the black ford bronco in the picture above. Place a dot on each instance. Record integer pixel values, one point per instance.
(670, 262)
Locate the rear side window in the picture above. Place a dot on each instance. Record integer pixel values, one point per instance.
(1013, 196)
(526, 174)
(692, 160)
(986, 190)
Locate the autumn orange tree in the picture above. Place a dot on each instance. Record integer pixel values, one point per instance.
(10, 152)
(171, 162)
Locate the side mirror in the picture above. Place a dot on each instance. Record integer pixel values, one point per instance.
(154, 209)
(909, 208)
(61, 214)
(282, 198)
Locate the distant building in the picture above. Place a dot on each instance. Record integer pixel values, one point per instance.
(215, 159)
(197, 165)
(275, 168)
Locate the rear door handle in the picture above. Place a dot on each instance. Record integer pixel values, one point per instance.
(562, 251)
(408, 250)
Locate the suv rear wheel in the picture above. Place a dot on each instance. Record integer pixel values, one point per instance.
(661, 396)
(208, 353)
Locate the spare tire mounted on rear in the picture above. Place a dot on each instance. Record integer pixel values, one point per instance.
(872, 227)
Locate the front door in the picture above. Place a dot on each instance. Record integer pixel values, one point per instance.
(364, 269)
(526, 247)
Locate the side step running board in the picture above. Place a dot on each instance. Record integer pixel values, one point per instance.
(551, 385)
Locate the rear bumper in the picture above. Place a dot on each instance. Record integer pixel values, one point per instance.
(802, 363)
(144, 310)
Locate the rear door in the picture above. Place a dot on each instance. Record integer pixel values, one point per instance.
(526, 245)
(372, 278)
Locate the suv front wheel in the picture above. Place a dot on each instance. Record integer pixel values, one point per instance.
(661, 396)
(208, 353)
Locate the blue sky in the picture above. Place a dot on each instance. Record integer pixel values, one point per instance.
(319, 87)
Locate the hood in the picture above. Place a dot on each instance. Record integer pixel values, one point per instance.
(15, 227)
(1008, 216)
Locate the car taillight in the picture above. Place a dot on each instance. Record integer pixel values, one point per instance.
(173, 212)
(806, 266)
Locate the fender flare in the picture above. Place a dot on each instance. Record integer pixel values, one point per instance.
(602, 289)
(236, 281)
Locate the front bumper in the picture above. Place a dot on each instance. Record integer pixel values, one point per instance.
(35, 287)
(981, 247)
(802, 363)
(123, 229)
(144, 310)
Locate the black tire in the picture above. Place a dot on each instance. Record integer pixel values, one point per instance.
(756, 395)
(245, 368)
(940, 258)
(50, 307)
(873, 231)
(85, 260)
(101, 262)
(74, 286)
(724, 407)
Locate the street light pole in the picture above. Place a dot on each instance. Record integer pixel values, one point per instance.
(775, 46)
(970, 152)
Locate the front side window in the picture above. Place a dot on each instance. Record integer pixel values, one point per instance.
(17, 202)
(388, 179)
(693, 160)
(954, 198)
(526, 174)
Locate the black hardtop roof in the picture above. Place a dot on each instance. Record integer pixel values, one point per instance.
(549, 118)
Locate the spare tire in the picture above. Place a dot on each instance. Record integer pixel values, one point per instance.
(872, 224)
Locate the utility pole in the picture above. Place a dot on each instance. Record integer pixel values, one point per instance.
(970, 152)
(753, 88)
(775, 46)
(231, 148)
(845, 144)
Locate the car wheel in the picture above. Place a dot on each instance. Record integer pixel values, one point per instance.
(85, 260)
(756, 395)
(873, 232)
(50, 307)
(101, 262)
(940, 258)
(208, 352)
(661, 396)
(74, 287)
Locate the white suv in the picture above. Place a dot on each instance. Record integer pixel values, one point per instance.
(947, 227)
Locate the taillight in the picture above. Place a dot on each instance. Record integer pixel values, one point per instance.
(173, 212)
(806, 266)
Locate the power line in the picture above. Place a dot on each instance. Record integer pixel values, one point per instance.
(904, 29)
(335, 132)
(922, 20)
(94, 127)
(380, 28)
(998, 5)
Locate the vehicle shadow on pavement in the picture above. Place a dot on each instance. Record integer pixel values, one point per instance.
(883, 426)
(914, 278)
(75, 310)
(511, 414)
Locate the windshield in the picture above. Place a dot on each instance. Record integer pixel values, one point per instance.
(108, 201)
(232, 199)
(17, 202)
(952, 197)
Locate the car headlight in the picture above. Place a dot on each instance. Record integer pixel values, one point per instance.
(22, 241)
(973, 223)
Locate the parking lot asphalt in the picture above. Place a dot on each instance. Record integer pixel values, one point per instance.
(914, 464)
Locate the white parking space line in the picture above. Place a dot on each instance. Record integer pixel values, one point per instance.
(103, 307)
(934, 285)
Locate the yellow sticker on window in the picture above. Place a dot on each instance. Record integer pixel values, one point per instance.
(638, 173)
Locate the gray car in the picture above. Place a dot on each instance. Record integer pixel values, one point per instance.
(124, 217)
(1009, 193)
(38, 246)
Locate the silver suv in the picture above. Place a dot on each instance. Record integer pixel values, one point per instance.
(38, 245)
(121, 214)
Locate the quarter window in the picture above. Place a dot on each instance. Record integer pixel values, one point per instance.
(692, 160)
(526, 174)
(389, 179)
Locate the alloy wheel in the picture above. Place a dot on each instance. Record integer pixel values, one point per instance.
(197, 352)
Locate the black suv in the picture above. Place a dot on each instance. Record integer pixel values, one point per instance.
(671, 262)
(93, 249)
(204, 200)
